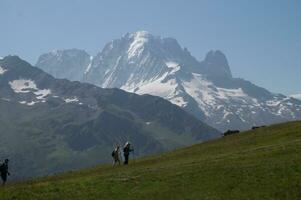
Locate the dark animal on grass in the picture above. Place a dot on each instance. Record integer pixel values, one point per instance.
(231, 132)
(256, 127)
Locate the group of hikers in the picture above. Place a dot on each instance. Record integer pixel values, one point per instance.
(116, 154)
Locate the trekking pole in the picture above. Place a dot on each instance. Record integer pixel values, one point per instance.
(134, 158)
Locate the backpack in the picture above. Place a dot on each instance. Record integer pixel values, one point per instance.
(2, 168)
(113, 153)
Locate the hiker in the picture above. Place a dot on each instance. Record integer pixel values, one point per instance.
(4, 171)
(116, 155)
(126, 152)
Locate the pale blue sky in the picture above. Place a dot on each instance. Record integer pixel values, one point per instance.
(261, 38)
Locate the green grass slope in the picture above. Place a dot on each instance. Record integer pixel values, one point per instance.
(261, 164)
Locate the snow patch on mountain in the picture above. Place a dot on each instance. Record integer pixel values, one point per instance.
(42, 94)
(140, 38)
(2, 70)
(29, 86)
(211, 98)
(179, 101)
(71, 100)
(89, 66)
(23, 86)
(199, 88)
(157, 88)
(173, 66)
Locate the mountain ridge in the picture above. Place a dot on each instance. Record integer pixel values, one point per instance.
(50, 125)
(145, 64)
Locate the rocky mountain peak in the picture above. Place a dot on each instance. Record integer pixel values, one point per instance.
(75, 62)
(12, 61)
(139, 34)
(216, 64)
(68, 52)
(141, 43)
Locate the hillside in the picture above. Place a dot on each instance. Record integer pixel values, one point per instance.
(260, 164)
(50, 125)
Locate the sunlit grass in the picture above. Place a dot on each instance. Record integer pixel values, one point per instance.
(260, 164)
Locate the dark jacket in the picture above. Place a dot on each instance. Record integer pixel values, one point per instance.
(127, 150)
(4, 169)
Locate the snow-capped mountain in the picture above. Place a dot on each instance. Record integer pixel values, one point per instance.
(145, 64)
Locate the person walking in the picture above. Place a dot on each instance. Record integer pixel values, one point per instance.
(116, 155)
(4, 171)
(126, 152)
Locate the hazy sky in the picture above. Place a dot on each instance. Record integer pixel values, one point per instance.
(261, 38)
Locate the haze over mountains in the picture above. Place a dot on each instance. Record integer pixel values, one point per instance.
(145, 64)
(49, 125)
